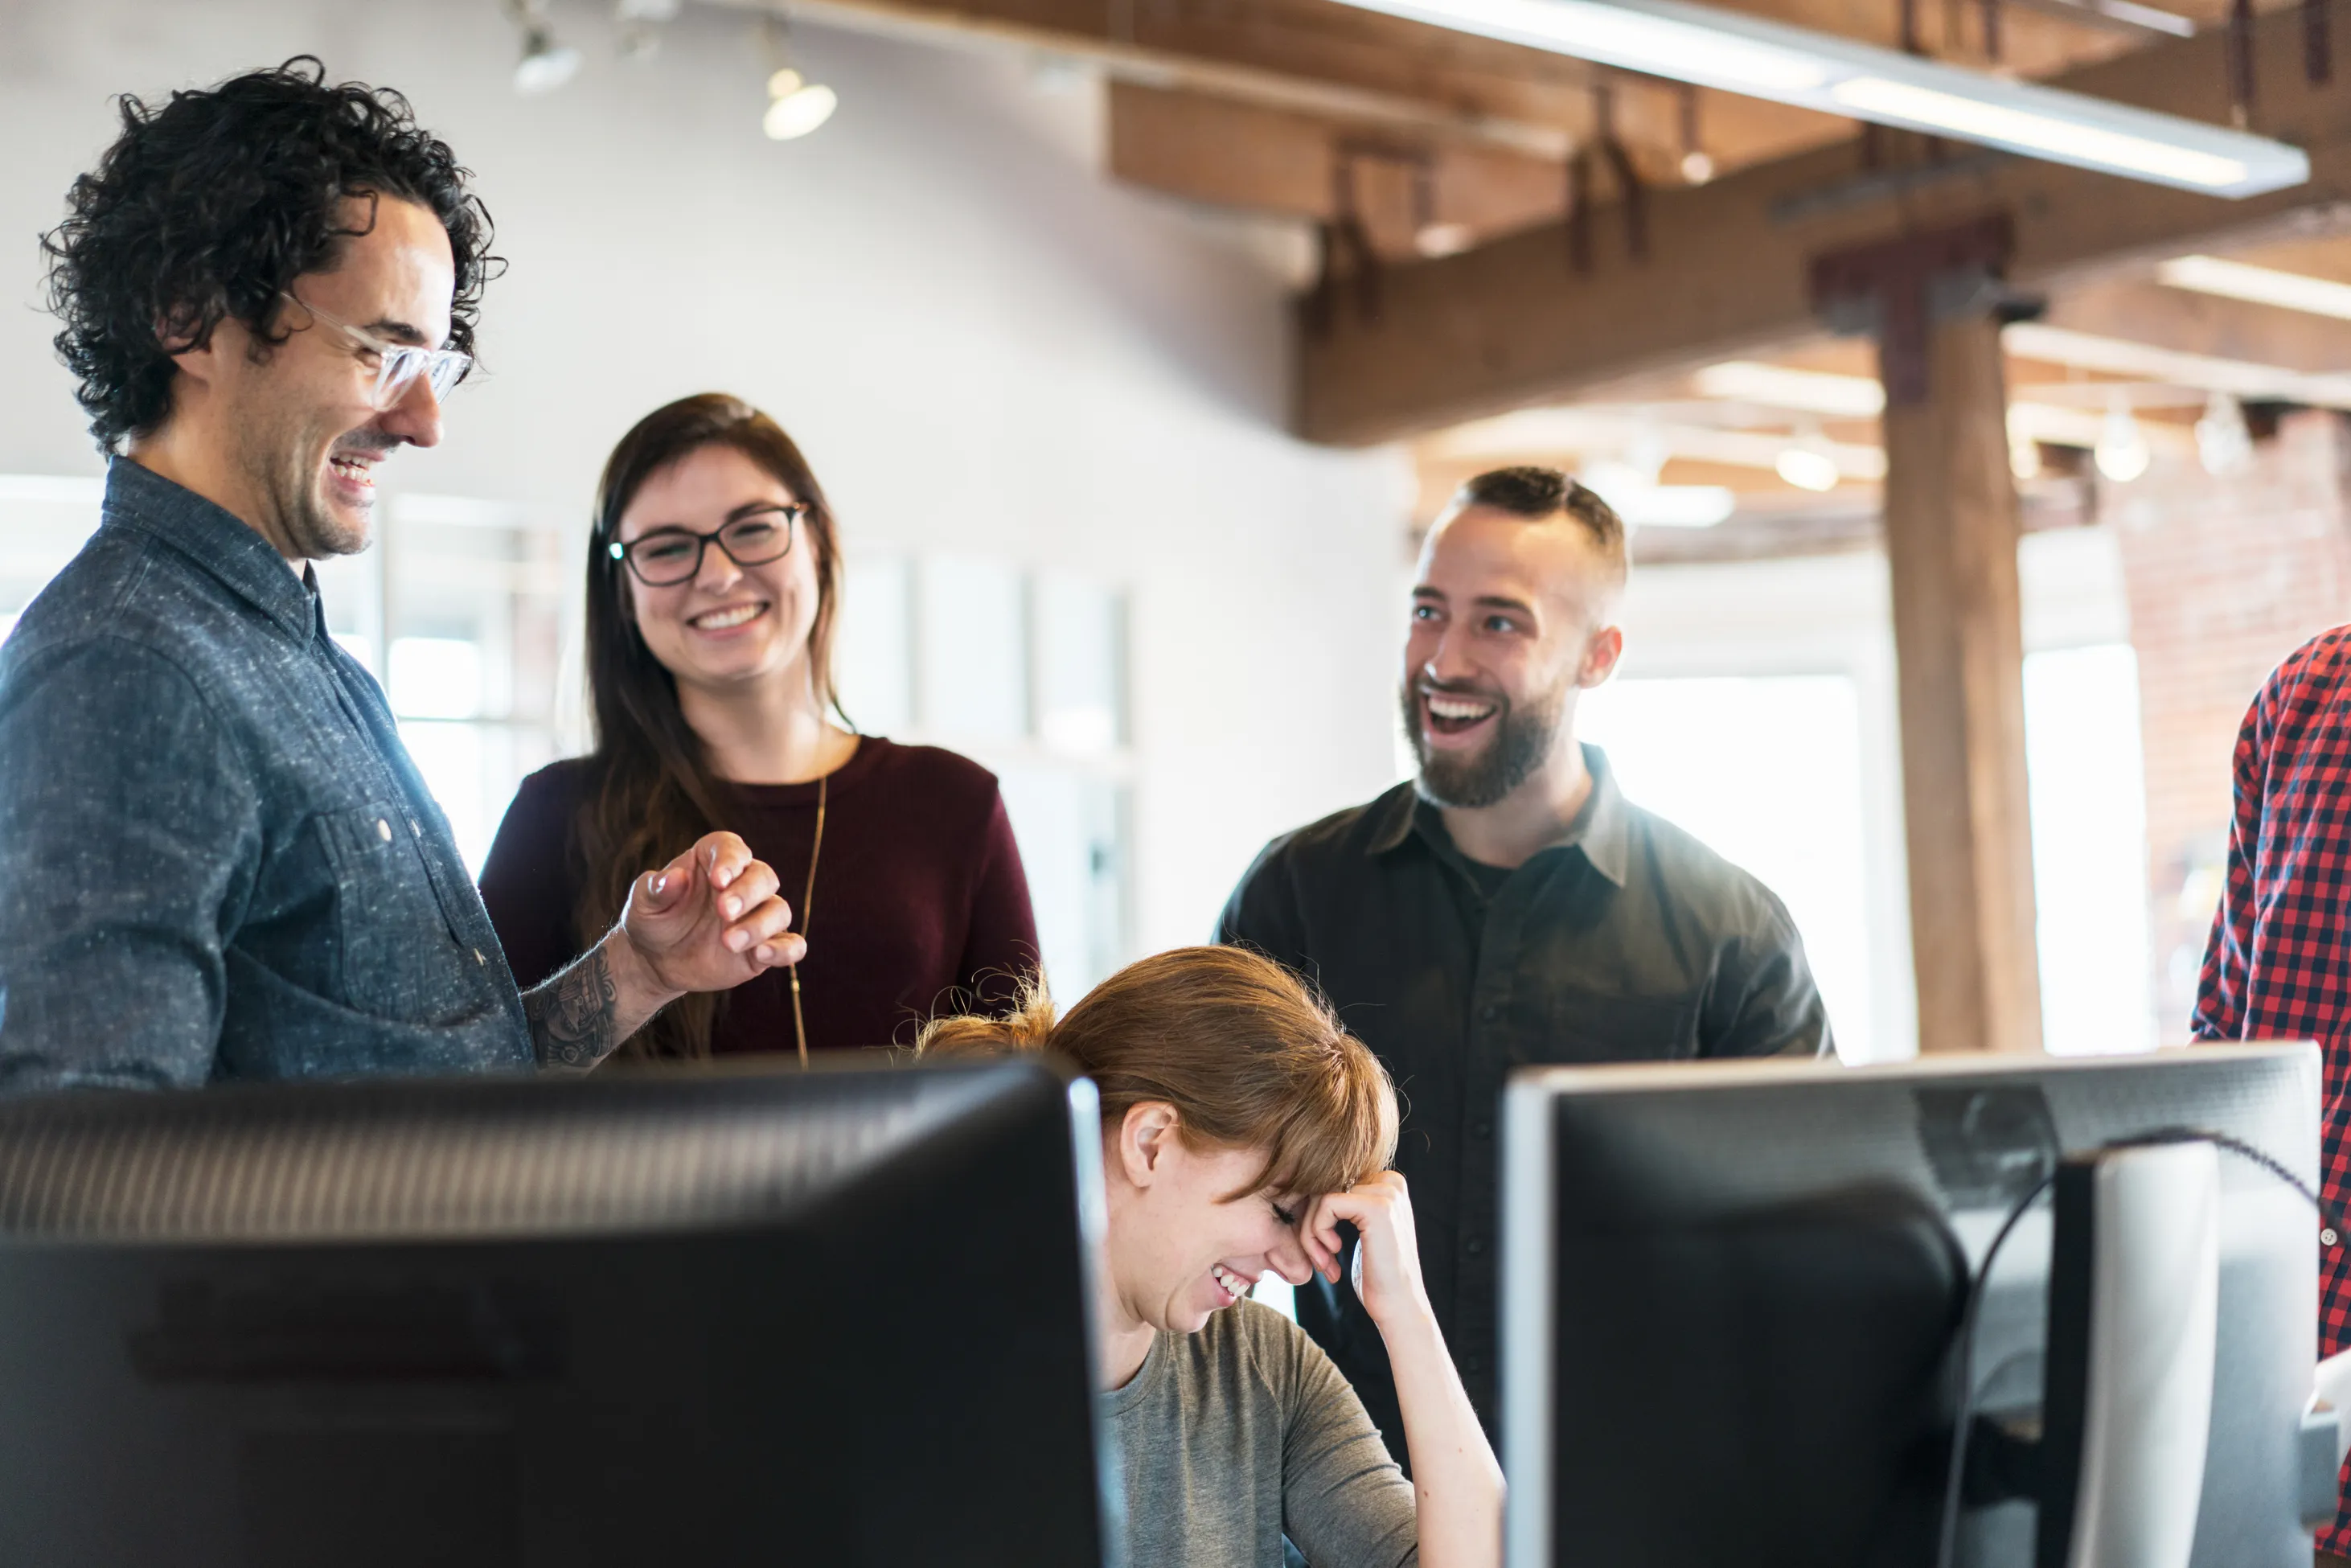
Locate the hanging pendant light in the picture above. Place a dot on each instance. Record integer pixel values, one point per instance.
(2122, 453)
(2223, 444)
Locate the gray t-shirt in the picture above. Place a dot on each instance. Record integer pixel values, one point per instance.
(1235, 1436)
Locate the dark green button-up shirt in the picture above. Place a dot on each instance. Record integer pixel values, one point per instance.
(1627, 940)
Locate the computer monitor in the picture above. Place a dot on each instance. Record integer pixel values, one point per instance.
(1732, 1297)
(703, 1317)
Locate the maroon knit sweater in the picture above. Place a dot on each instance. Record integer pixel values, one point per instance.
(921, 904)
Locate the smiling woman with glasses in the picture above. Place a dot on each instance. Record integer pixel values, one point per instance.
(713, 589)
(757, 534)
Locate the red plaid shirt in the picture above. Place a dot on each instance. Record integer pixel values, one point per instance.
(2279, 966)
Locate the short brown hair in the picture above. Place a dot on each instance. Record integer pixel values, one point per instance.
(1539, 494)
(1245, 1054)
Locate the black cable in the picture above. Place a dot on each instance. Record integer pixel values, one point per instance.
(1955, 1479)
(1947, 1541)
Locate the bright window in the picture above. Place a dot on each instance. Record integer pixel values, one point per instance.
(1766, 771)
(1027, 674)
(2089, 848)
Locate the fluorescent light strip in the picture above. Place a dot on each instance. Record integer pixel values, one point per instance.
(2065, 140)
(1761, 59)
(1663, 46)
(2258, 285)
(1777, 386)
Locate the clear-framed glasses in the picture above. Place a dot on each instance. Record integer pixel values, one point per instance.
(668, 556)
(397, 365)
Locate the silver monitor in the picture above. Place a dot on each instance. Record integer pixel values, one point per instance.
(1733, 1296)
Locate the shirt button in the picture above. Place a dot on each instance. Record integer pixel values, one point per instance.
(1481, 1129)
(1490, 1012)
(478, 958)
(384, 830)
(1473, 1363)
(1476, 1246)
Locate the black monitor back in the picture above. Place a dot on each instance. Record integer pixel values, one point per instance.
(1732, 1290)
(840, 1317)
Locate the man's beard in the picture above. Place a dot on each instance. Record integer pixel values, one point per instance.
(288, 482)
(1521, 744)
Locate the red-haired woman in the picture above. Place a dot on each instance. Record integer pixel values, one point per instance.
(1240, 1125)
(714, 587)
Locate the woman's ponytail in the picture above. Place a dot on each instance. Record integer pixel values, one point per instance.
(1028, 1027)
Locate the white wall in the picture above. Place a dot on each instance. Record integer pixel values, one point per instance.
(983, 345)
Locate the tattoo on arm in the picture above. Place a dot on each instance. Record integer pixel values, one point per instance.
(574, 1017)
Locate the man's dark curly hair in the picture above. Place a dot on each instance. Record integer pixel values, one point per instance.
(205, 207)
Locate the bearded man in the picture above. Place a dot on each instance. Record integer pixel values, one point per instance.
(1509, 907)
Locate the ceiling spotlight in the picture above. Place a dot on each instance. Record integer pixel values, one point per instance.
(2223, 444)
(1809, 463)
(637, 24)
(1698, 168)
(1442, 239)
(795, 105)
(2023, 455)
(2122, 452)
(546, 65)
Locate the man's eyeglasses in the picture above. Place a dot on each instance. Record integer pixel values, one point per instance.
(397, 365)
(668, 556)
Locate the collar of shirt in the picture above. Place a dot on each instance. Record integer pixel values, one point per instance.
(1600, 830)
(219, 542)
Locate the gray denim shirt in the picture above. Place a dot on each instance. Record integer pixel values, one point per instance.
(216, 860)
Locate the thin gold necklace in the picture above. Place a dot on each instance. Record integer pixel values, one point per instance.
(808, 904)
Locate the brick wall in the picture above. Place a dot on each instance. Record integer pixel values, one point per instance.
(2225, 578)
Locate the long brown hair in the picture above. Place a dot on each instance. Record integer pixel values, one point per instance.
(1250, 1058)
(651, 791)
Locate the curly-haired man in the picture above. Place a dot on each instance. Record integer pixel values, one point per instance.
(217, 861)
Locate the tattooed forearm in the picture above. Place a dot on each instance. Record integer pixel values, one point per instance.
(575, 1017)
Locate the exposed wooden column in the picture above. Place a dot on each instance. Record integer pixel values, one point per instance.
(1951, 531)
(1950, 543)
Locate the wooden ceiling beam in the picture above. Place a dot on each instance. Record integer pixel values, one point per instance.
(1214, 150)
(1511, 324)
(2182, 322)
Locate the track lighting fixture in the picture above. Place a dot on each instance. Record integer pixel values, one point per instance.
(795, 105)
(545, 64)
(637, 24)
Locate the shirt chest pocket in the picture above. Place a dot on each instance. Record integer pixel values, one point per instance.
(1588, 1027)
(398, 955)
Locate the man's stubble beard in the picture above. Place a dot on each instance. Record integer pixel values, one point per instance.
(272, 455)
(1522, 743)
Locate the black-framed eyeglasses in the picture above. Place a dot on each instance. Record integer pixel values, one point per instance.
(668, 556)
